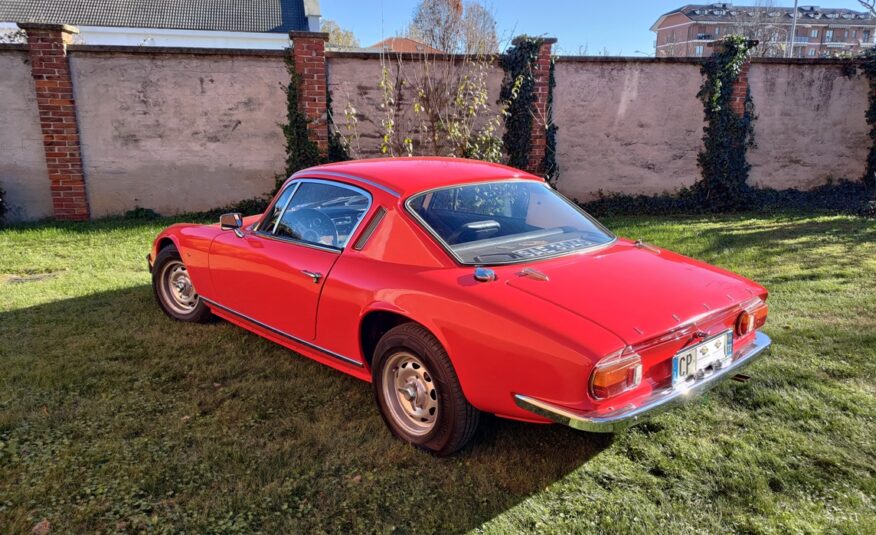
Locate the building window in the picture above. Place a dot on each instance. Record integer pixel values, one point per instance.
(717, 31)
(854, 34)
(828, 35)
(699, 51)
(814, 33)
(811, 52)
(865, 35)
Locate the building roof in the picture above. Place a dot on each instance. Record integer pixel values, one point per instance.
(404, 44)
(275, 16)
(727, 12)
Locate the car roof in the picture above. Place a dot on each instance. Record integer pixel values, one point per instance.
(409, 176)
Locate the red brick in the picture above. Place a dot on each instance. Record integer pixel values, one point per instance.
(54, 93)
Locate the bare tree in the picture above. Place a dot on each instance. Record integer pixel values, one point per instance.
(869, 5)
(478, 30)
(764, 23)
(338, 36)
(452, 27)
(438, 23)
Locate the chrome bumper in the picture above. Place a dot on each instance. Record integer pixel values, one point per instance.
(657, 402)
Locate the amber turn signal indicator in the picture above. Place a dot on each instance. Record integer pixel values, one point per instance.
(616, 374)
(752, 318)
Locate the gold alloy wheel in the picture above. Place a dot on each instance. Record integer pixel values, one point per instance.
(176, 288)
(411, 393)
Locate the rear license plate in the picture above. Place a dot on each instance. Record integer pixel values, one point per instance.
(708, 356)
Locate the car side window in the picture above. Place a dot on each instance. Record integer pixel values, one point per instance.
(271, 221)
(323, 214)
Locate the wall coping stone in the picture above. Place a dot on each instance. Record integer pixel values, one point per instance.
(66, 28)
(126, 49)
(308, 35)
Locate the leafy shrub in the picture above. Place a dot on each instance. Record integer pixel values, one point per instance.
(142, 213)
(2, 206)
(840, 196)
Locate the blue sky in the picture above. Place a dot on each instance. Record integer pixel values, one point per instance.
(621, 26)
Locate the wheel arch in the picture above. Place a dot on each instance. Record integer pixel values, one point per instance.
(165, 242)
(377, 322)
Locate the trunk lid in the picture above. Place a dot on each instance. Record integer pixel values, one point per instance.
(637, 292)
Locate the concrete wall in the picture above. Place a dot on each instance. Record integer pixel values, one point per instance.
(627, 126)
(353, 80)
(810, 124)
(23, 172)
(178, 132)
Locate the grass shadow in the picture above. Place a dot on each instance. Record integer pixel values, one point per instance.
(113, 415)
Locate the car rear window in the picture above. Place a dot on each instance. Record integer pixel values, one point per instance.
(506, 222)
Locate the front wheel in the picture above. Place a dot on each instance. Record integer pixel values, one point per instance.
(173, 288)
(418, 392)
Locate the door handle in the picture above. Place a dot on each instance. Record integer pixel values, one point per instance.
(312, 275)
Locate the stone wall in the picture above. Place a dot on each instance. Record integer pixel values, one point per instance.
(810, 124)
(23, 171)
(627, 126)
(178, 132)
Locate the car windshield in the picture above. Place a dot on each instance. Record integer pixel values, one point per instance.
(506, 222)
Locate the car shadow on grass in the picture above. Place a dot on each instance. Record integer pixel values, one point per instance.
(115, 415)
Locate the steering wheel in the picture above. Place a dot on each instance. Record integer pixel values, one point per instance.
(313, 226)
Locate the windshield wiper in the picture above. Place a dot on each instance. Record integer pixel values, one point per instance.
(480, 258)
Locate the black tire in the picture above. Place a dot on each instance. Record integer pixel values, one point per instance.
(195, 311)
(456, 419)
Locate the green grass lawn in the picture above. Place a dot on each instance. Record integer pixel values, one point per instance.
(113, 418)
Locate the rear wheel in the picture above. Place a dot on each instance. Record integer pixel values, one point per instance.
(173, 288)
(418, 392)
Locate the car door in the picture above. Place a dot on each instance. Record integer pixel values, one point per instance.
(274, 273)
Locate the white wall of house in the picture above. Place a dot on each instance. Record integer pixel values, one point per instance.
(103, 35)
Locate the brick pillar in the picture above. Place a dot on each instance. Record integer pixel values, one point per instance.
(541, 74)
(47, 45)
(308, 53)
(740, 90)
(740, 85)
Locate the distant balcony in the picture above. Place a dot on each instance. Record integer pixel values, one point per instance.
(803, 39)
(705, 37)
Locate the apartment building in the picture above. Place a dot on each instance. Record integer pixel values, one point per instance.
(820, 32)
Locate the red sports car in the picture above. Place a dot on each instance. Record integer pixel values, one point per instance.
(460, 287)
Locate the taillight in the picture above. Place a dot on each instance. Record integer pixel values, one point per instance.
(615, 374)
(752, 318)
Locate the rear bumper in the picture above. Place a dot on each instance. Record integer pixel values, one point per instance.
(657, 402)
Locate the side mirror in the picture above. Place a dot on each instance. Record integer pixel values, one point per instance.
(233, 222)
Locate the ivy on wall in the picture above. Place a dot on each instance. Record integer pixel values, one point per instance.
(868, 65)
(301, 152)
(549, 163)
(518, 96)
(518, 92)
(727, 135)
(2, 206)
(337, 147)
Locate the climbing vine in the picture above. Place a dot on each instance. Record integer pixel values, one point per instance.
(518, 97)
(727, 135)
(549, 165)
(2, 206)
(337, 145)
(868, 65)
(518, 94)
(301, 152)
